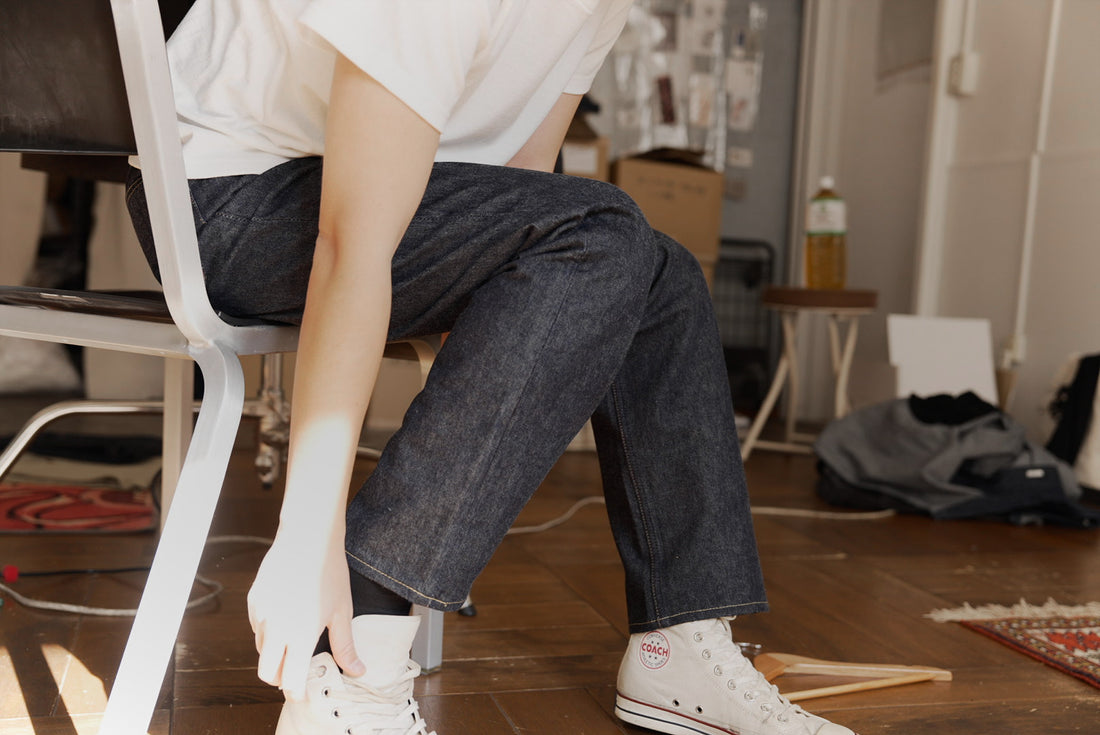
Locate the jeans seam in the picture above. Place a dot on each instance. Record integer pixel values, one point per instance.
(527, 380)
(250, 219)
(198, 211)
(397, 581)
(133, 187)
(681, 614)
(628, 458)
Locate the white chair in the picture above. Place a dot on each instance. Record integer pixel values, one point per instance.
(47, 114)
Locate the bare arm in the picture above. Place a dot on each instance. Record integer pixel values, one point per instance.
(378, 156)
(541, 150)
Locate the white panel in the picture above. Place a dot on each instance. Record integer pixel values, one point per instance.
(999, 122)
(1065, 301)
(936, 355)
(1075, 100)
(982, 240)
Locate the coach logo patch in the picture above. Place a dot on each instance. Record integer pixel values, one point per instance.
(654, 651)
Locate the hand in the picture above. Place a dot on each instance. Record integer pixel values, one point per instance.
(301, 588)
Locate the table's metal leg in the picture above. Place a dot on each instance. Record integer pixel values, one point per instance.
(844, 366)
(765, 408)
(790, 349)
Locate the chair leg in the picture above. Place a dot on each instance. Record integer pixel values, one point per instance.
(178, 406)
(427, 647)
(272, 408)
(57, 410)
(152, 637)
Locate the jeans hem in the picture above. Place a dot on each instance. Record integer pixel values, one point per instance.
(706, 613)
(410, 593)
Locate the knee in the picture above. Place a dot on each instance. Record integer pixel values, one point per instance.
(616, 233)
(680, 264)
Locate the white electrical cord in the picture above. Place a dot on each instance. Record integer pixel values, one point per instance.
(830, 515)
(590, 500)
(216, 587)
(108, 612)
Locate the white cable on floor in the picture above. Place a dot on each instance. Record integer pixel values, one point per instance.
(591, 499)
(832, 515)
(216, 587)
(108, 612)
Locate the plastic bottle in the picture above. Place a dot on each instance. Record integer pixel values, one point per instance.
(826, 227)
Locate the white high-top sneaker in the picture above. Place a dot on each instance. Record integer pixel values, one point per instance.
(379, 702)
(691, 679)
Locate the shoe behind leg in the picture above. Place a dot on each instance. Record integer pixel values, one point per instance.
(692, 678)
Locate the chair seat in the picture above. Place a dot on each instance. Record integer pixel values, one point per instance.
(143, 305)
(146, 306)
(791, 297)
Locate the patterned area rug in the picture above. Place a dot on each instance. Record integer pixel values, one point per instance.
(1065, 637)
(54, 494)
(31, 507)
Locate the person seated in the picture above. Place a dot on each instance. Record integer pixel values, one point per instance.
(377, 170)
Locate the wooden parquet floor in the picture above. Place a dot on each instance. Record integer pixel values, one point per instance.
(540, 657)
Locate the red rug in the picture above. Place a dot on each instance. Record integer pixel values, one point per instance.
(1065, 637)
(26, 508)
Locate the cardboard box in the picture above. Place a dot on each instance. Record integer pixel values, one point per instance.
(680, 200)
(587, 158)
(584, 153)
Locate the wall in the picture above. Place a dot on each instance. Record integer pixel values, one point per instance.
(1027, 263)
(864, 122)
(879, 171)
(762, 212)
(22, 201)
(115, 261)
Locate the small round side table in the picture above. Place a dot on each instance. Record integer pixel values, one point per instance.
(841, 306)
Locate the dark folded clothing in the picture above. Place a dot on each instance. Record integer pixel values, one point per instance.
(946, 457)
(94, 448)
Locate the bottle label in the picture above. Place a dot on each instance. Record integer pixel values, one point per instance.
(826, 217)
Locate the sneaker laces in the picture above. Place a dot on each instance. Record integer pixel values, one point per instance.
(377, 710)
(741, 676)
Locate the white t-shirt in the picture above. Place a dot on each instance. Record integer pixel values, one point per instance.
(252, 77)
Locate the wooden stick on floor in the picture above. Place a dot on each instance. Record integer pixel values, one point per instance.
(772, 665)
(878, 676)
(859, 686)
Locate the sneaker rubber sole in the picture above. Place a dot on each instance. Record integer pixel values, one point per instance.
(656, 718)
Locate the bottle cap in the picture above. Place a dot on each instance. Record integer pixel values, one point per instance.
(827, 182)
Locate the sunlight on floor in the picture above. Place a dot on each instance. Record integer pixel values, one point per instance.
(81, 690)
(77, 693)
(12, 703)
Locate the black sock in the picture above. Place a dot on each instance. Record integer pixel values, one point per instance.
(368, 598)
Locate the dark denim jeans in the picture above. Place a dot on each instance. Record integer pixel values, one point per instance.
(562, 304)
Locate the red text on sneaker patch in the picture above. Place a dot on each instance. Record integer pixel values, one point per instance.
(654, 651)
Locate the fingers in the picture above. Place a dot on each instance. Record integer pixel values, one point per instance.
(270, 667)
(343, 647)
(295, 671)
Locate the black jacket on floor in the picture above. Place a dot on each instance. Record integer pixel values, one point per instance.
(946, 457)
